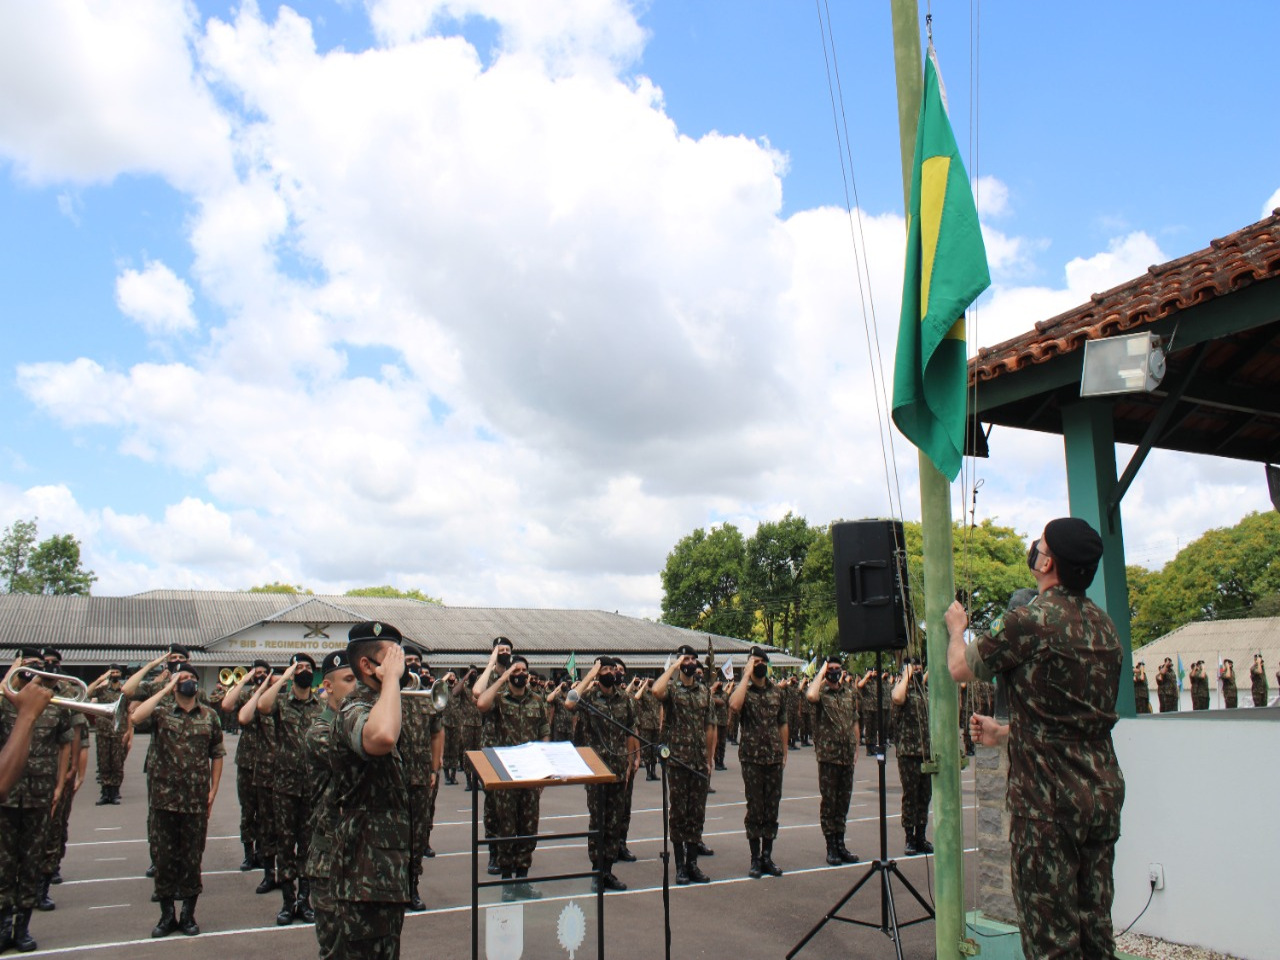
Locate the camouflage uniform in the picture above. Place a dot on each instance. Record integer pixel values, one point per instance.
(806, 718)
(562, 725)
(1230, 695)
(146, 690)
(1258, 684)
(178, 782)
(319, 864)
(869, 714)
(688, 714)
(1167, 691)
(913, 748)
(792, 693)
(648, 725)
(111, 749)
(24, 816)
(418, 725)
(606, 801)
(516, 720)
(292, 718)
(264, 767)
(55, 842)
(1142, 694)
(369, 870)
(247, 750)
(835, 742)
(1200, 692)
(452, 721)
(1062, 659)
(720, 714)
(763, 717)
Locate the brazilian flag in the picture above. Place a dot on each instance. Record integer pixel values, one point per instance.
(946, 270)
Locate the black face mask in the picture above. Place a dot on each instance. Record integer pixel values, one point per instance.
(303, 678)
(504, 660)
(688, 669)
(518, 680)
(188, 688)
(760, 670)
(607, 680)
(833, 676)
(1033, 555)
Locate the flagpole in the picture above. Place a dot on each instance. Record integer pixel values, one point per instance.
(939, 573)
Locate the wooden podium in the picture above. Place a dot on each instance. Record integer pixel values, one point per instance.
(494, 776)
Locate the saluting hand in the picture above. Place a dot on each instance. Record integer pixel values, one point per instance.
(392, 666)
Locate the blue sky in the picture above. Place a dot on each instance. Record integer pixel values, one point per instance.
(499, 304)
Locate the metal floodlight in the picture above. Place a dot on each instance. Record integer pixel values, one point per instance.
(1129, 364)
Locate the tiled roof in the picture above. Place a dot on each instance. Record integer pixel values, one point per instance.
(1225, 266)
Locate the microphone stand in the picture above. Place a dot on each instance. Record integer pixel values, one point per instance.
(664, 758)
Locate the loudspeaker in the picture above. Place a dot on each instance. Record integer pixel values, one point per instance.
(871, 584)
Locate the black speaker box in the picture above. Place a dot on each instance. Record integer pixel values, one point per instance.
(871, 584)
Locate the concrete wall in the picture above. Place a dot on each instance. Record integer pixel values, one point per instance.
(1201, 799)
(991, 779)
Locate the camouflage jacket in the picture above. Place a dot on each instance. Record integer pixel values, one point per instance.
(468, 712)
(183, 744)
(688, 714)
(1258, 682)
(292, 717)
(418, 725)
(317, 746)
(265, 748)
(517, 720)
(720, 708)
(603, 737)
(911, 721)
(51, 730)
(452, 716)
(1200, 688)
(370, 861)
(248, 747)
(102, 726)
(648, 711)
(761, 719)
(792, 694)
(1228, 687)
(1062, 659)
(835, 717)
(1167, 686)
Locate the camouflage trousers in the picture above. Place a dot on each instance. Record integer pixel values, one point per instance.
(452, 748)
(515, 814)
(292, 832)
(648, 737)
(111, 757)
(1169, 703)
(722, 739)
(870, 720)
(1200, 703)
(835, 788)
(688, 793)
(627, 794)
(22, 831)
(763, 785)
(917, 791)
(178, 840)
(367, 931)
(734, 720)
(1230, 700)
(324, 905)
(422, 815)
(605, 809)
(249, 819)
(1144, 703)
(264, 802)
(55, 837)
(1063, 885)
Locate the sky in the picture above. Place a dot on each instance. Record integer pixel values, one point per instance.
(498, 300)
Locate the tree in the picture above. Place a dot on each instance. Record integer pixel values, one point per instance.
(390, 591)
(275, 586)
(775, 559)
(51, 566)
(15, 557)
(701, 580)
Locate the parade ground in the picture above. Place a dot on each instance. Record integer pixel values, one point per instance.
(104, 909)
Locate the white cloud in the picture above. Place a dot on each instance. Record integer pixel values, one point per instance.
(992, 196)
(156, 298)
(1273, 202)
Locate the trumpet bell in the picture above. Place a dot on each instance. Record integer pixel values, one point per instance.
(239, 674)
(227, 677)
(438, 692)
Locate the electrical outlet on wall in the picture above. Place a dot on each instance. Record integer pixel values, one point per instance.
(1155, 873)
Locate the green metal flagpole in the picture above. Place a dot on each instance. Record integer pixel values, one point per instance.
(939, 573)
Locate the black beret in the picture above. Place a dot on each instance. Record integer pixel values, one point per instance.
(374, 630)
(117, 666)
(180, 650)
(30, 653)
(303, 658)
(52, 654)
(335, 660)
(684, 650)
(836, 659)
(411, 649)
(186, 668)
(498, 640)
(519, 658)
(261, 663)
(760, 653)
(1076, 547)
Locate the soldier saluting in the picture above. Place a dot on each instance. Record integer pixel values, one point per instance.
(762, 754)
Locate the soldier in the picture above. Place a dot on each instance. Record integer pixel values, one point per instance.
(55, 847)
(1227, 677)
(470, 721)
(720, 716)
(1167, 687)
(1062, 659)
(562, 718)
(603, 725)
(1141, 692)
(247, 750)
(1199, 686)
(261, 729)
(624, 853)
(1258, 681)
(762, 755)
(690, 734)
(292, 714)
(649, 726)
(868, 708)
(15, 734)
(791, 691)
(911, 716)
(25, 812)
(420, 728)
(835, 741)
(113, 746)
(452, 721)
(516, 717)
(183, 775)
(806, 717)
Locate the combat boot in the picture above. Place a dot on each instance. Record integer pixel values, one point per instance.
(151, 872)
(303, 909)
(702, 850)
(289, 897)
(766, 858)
(846, 855)
(43, 903)
(923, 845)
(470, 782)
(833, 852)
(268, 877)
(911, 849)
(168, 923)
(624, 854)
(21, 936)
(682, 873)
(450, 778)
(6, 930)
(606, 880)
(247, 863)
(650, 771)
(691, 865)
(492, 869)
(524, 890)
(415, 899)
(187, 923)
(115, 796)
(103, 798)
(755, 873)
(56, 876)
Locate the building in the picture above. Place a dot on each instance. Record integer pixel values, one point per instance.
(1214, 641)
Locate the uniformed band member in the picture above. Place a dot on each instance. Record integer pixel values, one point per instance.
(183, 773)
(514, 716)
(261, 730)
(25, 813)
(113, 746)
(835, 739)
(649, 726)
(421, 748)
(720, 715)
(1227, 677)
(16, 731)
(1258, 681)
(369, 878)
(690, 733)
(1141, 692)
(291, 714)
(911, 717)
(470, 725)
(1061, 659)
(629, 688)
(602, 725)
(499, 660)
(1167, 686)
(55, 842)
(869, 707)
(247, 750)
(762, 755)
(1199, 686)
(452, 720)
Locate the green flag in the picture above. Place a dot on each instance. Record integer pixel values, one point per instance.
(571, 665)
(946, 270)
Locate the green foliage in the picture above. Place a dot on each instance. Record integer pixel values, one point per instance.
(701, 581)
(772, 573)
(275, 586)
(387, 590)
(51, 566)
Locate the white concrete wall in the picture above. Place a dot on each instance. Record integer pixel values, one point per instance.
(1201, 799)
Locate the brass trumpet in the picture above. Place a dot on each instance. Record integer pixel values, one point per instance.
(438, 692)
(116, 712)
(227, 677)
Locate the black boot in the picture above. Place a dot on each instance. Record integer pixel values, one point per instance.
(755, 873)
(682, 873)
(691, 865)
(21, 935)
(115, 796)
(524, 890)
(247, 863)
(923, 845)
(702, 850)
(833, 853)
(6, 930)
(846, 855)
(650, 771)
(766, 858)
(151, 872)
(415, 900)
(606, 880)
(43, 903)
(303, 909)
(103, 798)
(625, 855)
(57, 875)
(187, 922)
(168, 923)
(289, 898)
(268, 877)
(428, 853)
(493, 861)
(470, 783)
(911, 849)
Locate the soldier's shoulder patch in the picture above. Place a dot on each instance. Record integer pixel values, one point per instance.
(997, 626)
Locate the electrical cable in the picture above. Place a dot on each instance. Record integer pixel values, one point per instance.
(1150, 896)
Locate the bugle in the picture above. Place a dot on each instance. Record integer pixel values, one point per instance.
(227, 677)
(438, 692)
(116, 712)
(239, 674)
